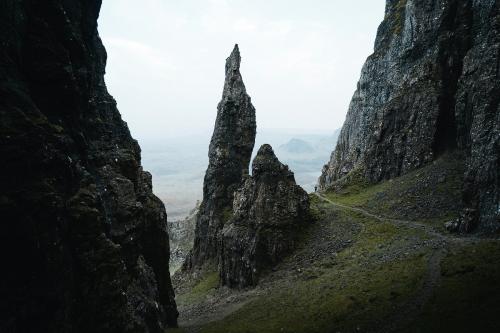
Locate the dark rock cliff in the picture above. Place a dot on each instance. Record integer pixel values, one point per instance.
(431, 85)
(269, 210)
(229, 156)
(84, 243)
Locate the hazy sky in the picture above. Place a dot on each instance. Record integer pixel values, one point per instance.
(300, 59)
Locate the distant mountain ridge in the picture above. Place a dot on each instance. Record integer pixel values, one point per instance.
(178, 164)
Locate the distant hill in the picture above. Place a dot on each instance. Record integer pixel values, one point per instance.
(178, 164)
(297, 146)
(328, 143)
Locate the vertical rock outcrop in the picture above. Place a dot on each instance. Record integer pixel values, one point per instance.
(84, 242)
(269, 210)
(229, 156)
(245, 224)
(431, 85)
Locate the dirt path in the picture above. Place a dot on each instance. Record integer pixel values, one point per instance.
(414, 306)
(324, 240)
(412, 224)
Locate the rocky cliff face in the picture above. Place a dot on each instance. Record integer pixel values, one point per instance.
(431, 85)
(269, 210)
(84, 243)
(181, 236)
(229, 158)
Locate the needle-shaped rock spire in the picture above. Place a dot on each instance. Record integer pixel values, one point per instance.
(233, 85)
(229, 155)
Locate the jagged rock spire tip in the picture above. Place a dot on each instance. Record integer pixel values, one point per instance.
(234, 60)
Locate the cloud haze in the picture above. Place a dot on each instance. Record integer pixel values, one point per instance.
(300, 59)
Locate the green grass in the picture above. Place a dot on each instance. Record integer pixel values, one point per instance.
(315, 210)
(468, 299)
(372, 236)
(362, 285)
(431, 194)
(349, 291)
(204, 287)
(175, 330)
(399, 16)
(355, 195)
(327, 303)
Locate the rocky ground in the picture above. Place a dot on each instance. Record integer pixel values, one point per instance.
(357, 270)
(181, 236)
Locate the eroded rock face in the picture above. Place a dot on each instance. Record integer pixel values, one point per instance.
(269, 210)
(430, 86)
(84, 242)
(229, 158)
(181, 236)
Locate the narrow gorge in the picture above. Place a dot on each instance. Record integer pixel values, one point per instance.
(402, 233)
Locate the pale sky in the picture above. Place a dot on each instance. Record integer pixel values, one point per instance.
(301, 60)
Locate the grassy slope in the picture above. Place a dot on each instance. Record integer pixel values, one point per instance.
(345, 292)
(353, 273)
(431, 194)
(200, 289)
(468, 299)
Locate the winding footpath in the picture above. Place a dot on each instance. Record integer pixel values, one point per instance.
(410, 310)
(412, 224)
(225, 302)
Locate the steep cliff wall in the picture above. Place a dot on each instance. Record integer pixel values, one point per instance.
(83, 243)
(431, 85)
(269, 210)
(229, 156)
